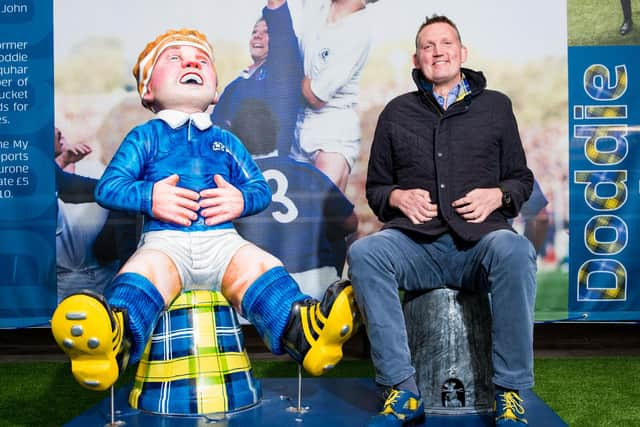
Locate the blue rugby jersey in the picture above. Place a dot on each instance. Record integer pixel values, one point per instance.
(276, 82)
(154, 151)
(303, 224)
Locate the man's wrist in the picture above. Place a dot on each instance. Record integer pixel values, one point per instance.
(391, 201)
(62, 161)
(507, 201)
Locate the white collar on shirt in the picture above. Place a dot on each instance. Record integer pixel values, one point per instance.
(176, 119)
(274, 153)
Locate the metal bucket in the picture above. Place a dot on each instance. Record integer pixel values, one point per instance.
(195, 362)
(449, 335)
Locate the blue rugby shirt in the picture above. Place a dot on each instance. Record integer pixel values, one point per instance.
(195, 151)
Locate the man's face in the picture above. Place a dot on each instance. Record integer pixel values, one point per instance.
(259, 42)
(182, 79)
(440, 54)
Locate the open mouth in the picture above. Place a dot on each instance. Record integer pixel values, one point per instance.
(191, 79)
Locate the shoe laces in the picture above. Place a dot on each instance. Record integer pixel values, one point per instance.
(512, 406)
(389, 405)
(391, 400)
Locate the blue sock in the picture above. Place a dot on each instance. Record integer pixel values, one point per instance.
(143, 304)
(267, 305)
(410, 385)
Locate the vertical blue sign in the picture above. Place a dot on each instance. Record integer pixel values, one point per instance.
(604, 115)
(27, 188)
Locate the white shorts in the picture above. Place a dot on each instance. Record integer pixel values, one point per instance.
(332, 132)
(350, 150)
(201, 257)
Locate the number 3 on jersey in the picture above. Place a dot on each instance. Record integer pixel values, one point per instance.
(290, 211)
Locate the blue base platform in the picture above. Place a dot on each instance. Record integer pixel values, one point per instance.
(331, 402)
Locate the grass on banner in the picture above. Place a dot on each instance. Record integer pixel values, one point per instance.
(597, 23)
(552, 295)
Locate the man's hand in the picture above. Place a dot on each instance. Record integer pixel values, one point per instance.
(415, 204)
(313, 101)
(224, 203)
(170, 203)
(72, 153)
(478, 204)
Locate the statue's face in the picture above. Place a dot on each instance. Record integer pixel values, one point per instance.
(182, 79)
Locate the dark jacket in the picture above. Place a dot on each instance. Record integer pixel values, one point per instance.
(473, 144)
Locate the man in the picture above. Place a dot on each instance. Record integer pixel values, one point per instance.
(78, 224)
(273, 77)
(191, 180)
(627, 23)
(335, 40)
(446, 171)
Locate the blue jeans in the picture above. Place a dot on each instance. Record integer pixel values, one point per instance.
(502, 263)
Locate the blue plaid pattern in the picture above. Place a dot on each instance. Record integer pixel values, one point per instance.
(195, 361)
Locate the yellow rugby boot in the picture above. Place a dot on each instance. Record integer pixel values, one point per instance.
(316, 331)
(92, 335)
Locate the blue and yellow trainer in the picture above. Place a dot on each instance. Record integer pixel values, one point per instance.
(316, 331)
(402, 408)
(92, 335)
(509, 409)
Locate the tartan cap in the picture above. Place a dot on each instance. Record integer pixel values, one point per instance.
(147, 59)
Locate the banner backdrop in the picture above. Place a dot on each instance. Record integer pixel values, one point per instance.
(604, 167)
(50, 246)
(27, 194)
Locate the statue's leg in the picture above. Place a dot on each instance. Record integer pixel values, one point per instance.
(312, 332)
(100, 334)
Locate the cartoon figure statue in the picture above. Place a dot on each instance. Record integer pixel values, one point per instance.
(190, 179)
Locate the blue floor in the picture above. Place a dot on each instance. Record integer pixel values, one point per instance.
(332, 402)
